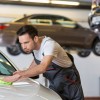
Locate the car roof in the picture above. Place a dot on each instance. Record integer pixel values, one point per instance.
(53, 15)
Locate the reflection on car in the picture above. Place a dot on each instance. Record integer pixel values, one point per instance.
(65, 31)
(26, 89)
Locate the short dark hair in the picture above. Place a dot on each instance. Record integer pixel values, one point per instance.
(32, 31)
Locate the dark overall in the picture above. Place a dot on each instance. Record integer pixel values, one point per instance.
(64, 81)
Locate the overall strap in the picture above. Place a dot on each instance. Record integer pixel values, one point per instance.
(35, 77)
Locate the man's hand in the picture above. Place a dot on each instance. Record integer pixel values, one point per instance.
(12, 78)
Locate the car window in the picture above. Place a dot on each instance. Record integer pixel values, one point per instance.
(63, 21)
(6, 68)
(69, 24)
(40, 21)
(51, 19)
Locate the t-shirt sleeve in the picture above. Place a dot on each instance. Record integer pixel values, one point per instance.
(51, 48)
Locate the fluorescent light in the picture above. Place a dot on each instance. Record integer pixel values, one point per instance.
(37, 1)
(66, 3)
(73, 3)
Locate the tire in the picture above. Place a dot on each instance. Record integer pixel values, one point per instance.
(13, 50)
(96, 48)
(84, 53)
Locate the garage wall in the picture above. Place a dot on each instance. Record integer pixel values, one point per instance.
(89, 67)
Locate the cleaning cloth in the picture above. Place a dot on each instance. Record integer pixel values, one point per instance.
(5, 83)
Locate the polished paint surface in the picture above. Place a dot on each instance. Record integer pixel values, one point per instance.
(27, 89)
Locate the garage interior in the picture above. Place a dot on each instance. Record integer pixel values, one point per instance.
(78, 11)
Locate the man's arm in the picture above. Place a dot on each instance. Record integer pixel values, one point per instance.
(31, 71)
(33, 64)
(37, 69)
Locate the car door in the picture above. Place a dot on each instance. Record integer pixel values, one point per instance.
(70, 33)
(77, 36)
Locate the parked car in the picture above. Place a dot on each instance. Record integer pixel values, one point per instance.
(65, 31)
(26, 89)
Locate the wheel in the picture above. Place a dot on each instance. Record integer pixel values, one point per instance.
(84, 53)
(96, 48)
(13, 50)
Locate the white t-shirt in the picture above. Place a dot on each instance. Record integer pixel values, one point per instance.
(51, 47)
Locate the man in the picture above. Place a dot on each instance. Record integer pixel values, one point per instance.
(51, 60)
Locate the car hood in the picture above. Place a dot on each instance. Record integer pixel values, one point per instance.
(27, 89)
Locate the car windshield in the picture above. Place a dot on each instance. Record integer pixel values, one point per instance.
(6, 68)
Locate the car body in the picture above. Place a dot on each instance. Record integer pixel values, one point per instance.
(26, 89)
(94, 20)
(65, 31)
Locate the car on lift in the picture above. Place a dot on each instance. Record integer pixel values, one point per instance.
(65, 31)
(25, 89)
(94, 20)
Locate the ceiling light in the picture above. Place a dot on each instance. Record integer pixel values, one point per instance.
(66, 3)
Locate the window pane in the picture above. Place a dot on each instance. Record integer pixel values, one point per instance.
(6, 68)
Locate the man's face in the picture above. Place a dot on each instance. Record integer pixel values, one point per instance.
(27, 43)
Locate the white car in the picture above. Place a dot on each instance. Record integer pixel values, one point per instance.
(26, 89)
